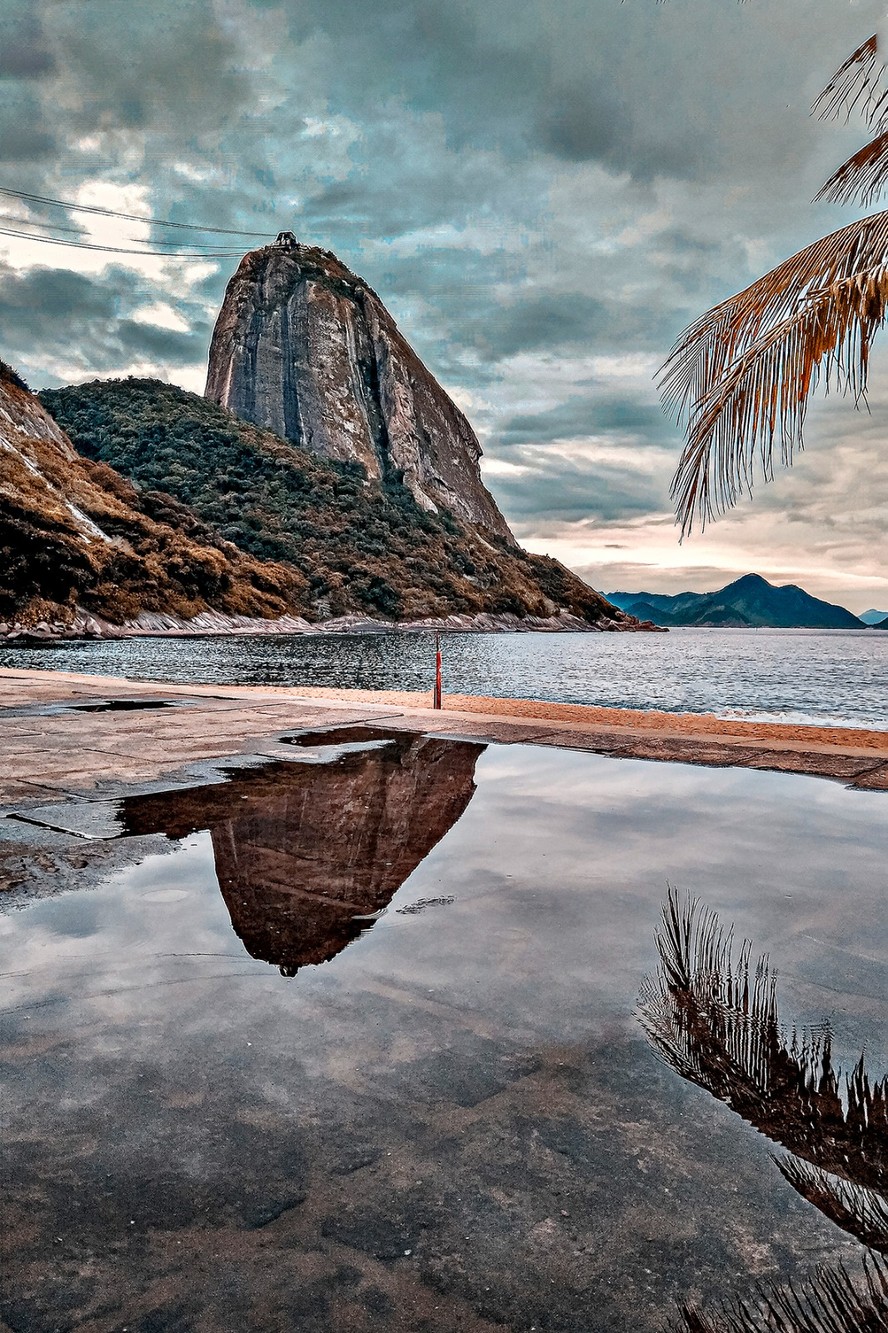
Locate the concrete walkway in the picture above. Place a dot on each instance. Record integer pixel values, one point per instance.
(74, 735)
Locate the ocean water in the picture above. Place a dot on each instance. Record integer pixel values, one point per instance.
(783, 675)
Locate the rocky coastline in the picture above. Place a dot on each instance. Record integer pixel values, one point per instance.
(209, 624)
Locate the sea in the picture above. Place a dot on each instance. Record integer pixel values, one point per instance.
(833, 677)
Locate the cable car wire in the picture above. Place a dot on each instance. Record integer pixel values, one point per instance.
(127, 217)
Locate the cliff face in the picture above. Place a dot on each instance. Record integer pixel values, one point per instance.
(307, 853)
(74, 531)
(305, 349)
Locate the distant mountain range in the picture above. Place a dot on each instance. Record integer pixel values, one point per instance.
(749, 602)
(877, 618)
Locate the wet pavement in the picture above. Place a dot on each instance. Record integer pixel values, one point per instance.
(362, 1029)
(72, 735)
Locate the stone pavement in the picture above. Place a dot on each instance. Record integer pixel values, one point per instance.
(75, 735)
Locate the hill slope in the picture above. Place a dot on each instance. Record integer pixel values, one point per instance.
(748, 602)
(74, 532)
(359, 544)
(874, 617)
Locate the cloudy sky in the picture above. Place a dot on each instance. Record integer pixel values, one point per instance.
(544, 192)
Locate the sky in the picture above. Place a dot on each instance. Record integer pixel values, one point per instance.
(543, 192)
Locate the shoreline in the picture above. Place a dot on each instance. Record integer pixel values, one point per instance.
(64, 734)
(630, 720)
(89, 628)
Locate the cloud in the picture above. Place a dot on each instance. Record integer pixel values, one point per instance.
(73, 325)
(542, 194)
(24, 53)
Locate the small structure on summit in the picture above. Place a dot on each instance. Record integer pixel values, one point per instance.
(286, 240)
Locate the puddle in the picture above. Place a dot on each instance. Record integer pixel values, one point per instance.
(122, 705)
(341, 736)
(462, 1106)
(67, 706)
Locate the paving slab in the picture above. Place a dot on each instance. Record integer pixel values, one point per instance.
(209, 722)
(875, 779)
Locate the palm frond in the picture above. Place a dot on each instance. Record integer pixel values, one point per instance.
(859, 86)
(833, 1301)
(862, 1212)
(742, 374)
(860, 179)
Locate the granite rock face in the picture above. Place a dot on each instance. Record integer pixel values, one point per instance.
(304, 348)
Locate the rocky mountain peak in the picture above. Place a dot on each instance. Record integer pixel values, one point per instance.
(304, 348)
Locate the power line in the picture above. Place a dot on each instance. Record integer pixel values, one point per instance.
(127, 217)
(119, 250)
(78, 231)
(34, 222)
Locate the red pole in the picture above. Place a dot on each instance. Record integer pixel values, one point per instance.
(436, 702)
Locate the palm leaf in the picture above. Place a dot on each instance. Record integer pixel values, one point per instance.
(861, 178)
(859, 86)
(712, 1016)
(742, 374)
(862, 1212)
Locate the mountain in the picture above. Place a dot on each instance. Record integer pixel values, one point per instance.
(880, 624)
(74, 532)
(873, 617)
(304, 348)
(326, 468)
(351, 543)
(750, 601)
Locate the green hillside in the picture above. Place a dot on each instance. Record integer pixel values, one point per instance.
(362, 546)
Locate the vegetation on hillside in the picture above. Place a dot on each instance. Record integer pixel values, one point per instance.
(359, 546)
(51, 561)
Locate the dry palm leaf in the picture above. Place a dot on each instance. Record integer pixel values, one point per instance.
(712, 1016)
(859, 86)
(742, 374)
(862, 1212)
(862, 177)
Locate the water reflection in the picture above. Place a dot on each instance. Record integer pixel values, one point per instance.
(831, 1302)
(713, 1017)
(307, 854)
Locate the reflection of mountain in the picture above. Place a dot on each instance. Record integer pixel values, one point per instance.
(713, 1018)
(303, 849)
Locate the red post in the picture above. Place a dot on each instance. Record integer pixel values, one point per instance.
(436, 702)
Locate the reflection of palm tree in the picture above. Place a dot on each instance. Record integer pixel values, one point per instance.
(742, 374)
(713, 1018)
(829, 1303)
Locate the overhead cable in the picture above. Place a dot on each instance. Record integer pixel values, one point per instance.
(78, 231)
(119, 250)
(127, 217)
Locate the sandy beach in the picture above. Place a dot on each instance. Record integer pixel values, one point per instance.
(700, 725)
